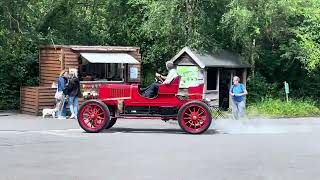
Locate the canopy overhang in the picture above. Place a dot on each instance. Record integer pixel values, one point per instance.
(119, 58)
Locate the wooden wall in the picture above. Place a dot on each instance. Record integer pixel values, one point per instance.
(185, 59)
(50, 65)
(53, 60)
(71, 58)
(34, 99)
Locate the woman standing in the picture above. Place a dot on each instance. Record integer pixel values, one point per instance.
(74, 93)
(238, 92)
(60, 94)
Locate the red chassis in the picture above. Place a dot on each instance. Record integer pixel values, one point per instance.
(125, 101)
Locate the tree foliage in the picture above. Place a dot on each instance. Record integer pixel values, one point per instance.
(280, 38)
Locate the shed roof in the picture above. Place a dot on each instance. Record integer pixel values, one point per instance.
(93, 48)
(222, 59)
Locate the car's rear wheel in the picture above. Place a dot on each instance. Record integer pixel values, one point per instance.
(194, 117)
(94, 116)
(111, 123)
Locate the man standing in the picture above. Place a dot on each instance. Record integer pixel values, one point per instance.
(238, 93)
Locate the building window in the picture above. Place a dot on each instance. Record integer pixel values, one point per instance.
(101, 72)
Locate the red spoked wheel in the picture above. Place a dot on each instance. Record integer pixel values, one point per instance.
(194, 117)
(94, 116)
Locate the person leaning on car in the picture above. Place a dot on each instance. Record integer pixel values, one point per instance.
(154, 87)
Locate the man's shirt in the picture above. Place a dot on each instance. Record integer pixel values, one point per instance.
(171, 76)
(237, 89)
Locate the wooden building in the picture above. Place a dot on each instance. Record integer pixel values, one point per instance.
(214, 70)
(95, 65)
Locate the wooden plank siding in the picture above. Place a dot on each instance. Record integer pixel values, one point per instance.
(53, 60)
(71, 58)
(27, 100)
(50, 66)
(185, 59)
(34, 99)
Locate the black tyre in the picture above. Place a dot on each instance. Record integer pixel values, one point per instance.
(111, 123)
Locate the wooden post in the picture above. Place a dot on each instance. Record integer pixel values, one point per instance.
(21, 89)
(205, 78)
(244, 76)
(232, 73)
(286, 89)
(253, 63)
(39, 66)
(218, 80)
(37, 101)
(61, 58)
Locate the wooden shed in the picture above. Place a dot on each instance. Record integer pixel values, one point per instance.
(95, 65)
(214, 70)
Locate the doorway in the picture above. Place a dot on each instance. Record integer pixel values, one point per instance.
(224, 86)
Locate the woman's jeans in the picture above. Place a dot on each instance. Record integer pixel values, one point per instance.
(73, 102)
(238, 109)
(62, 111)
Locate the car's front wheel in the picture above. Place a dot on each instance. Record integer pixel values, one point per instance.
(93, 116)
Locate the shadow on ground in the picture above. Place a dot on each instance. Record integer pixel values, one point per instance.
(153, 131)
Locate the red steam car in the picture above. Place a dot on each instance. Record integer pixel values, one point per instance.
(126, 101)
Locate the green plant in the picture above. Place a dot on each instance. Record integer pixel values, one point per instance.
(279, 108)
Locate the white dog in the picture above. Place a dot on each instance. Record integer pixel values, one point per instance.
(47, 111)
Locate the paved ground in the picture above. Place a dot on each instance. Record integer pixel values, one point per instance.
(257, 149)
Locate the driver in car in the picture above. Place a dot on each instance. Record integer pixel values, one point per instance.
(152, 90)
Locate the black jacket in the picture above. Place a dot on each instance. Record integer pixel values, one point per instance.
(74, 87)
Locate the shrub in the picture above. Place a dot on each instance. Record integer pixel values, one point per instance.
(259, 88)
(277, 107)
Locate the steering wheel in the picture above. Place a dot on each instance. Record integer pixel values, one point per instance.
(159, 79)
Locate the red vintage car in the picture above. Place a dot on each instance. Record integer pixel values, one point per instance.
(126, 101)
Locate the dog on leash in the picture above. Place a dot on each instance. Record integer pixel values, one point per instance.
(47, 111)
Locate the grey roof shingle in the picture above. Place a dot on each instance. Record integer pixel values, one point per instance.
(222, 59)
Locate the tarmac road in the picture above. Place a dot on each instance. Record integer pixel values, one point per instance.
(257, 149)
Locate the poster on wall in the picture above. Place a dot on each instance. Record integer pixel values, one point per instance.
(189, 76)
(133, 72)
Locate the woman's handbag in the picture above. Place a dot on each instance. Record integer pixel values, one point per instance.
(58, 95)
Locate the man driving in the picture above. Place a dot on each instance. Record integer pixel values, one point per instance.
(152, 90)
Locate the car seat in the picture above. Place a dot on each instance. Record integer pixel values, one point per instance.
(171, 88)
